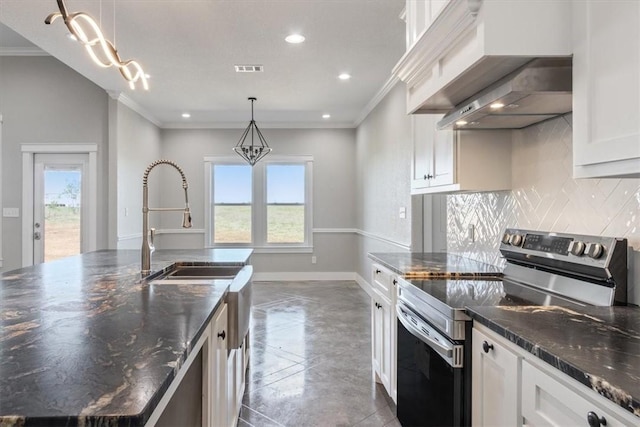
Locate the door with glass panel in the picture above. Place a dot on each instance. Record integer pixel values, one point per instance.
(58, 208)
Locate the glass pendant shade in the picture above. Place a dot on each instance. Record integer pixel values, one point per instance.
(253, 148)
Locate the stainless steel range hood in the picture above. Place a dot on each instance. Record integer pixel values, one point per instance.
(540, 90)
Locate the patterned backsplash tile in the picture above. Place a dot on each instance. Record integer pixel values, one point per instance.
(544, 196)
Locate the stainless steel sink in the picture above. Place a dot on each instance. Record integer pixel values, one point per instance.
(238, 297)
(203, 272)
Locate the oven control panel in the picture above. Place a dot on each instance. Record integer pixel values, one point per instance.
(583, 249)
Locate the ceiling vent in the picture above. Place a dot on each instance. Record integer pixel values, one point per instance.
(249, 68)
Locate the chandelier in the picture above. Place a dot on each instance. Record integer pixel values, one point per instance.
(85, 30)
(252, 151)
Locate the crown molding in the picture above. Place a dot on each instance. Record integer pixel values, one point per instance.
(128, 102)
(22, 51)
(377, 98)
(263, 125)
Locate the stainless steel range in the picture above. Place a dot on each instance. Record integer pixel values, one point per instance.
(543, 268)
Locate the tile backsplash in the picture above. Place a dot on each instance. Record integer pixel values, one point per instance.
(544, 196)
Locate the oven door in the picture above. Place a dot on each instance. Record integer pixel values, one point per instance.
(432, 388)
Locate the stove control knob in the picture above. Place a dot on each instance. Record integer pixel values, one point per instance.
(505, 238)
(516, 240)
(594, 250)
(577, 248)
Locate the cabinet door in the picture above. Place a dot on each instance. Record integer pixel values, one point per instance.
(606, 88)
(546, 401)
(422, 134)
(444, 162)
(219, 368)
(383, 281)
(386, 363)
(376, 339)
(494, 385)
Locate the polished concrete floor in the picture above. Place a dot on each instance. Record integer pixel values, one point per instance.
(310, 359)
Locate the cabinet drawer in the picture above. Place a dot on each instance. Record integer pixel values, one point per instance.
(549, 401)
(383, 281)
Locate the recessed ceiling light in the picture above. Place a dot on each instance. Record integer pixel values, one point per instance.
(344, 76)
(294, 38)
(461, 122)
(326, 116)
(496, 105)
(186, 115)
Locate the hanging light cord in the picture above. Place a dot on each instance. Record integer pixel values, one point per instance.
(101, 50)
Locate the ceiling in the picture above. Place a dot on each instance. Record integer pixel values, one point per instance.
(189, 49)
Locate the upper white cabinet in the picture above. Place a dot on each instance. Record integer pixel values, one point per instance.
(449, 161)
(468, 44)
(419, 16)
(606, 88)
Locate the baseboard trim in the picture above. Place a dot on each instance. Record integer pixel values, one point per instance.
(364, 284)
(303, 276)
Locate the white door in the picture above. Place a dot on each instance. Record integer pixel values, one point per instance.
(59, 206)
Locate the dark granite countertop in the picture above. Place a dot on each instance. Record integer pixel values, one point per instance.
(434, 265)
(84, 341)
(598, 346)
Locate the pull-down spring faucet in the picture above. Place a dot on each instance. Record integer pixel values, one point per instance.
(148, 234)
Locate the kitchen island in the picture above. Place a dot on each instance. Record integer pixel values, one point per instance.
(86, 341)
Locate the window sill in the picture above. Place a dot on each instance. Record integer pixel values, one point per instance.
(273, 249)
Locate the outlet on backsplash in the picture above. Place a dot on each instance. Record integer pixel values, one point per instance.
(471, 233)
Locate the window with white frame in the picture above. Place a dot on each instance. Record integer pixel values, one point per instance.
(267, 206)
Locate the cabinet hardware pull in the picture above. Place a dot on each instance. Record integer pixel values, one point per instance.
(430, 176)
(378, 271)
(595, 421)
(395, 282)
(486, 347)
(222, 335)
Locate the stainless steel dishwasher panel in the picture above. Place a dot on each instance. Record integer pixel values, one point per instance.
(239, 307)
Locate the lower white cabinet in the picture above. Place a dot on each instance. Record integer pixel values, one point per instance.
(495, 390)
(511, 387)
(553, 399)
(218, 370)
(383, 329)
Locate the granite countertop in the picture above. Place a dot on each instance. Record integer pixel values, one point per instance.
(85, 341)
(433, 265)
(598, 346)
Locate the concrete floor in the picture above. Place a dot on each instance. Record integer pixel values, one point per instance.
(310, 361)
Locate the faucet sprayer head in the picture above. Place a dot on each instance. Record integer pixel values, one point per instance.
(186, 218)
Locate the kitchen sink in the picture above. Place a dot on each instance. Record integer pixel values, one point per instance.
(203, 272)
(238, 296)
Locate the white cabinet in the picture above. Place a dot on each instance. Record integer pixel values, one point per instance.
(383, 329)
(495, 389)
(606, 88)
(236, 376)
(449, 161)
(419, 16)
(468, 44)
(218, 397)
(554, 399)
(511, 387)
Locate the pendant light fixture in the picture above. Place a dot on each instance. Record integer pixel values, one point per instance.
(254, 150)
(86, 31)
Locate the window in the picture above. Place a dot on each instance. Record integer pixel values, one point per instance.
(267, 207)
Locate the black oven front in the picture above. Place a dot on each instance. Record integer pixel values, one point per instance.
(434, 385)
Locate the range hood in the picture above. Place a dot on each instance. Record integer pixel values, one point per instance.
(538, 91)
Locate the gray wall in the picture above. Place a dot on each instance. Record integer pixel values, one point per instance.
(334, 191)
(137, 144)
(44, 101)
(383, 162)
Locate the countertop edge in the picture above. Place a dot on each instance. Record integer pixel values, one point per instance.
(609, 391)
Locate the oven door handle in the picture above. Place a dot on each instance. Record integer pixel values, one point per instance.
(443, 350)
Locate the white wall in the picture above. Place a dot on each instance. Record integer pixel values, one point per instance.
(334, 196)
(544, 196)
(383, 162)
(44, 101)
